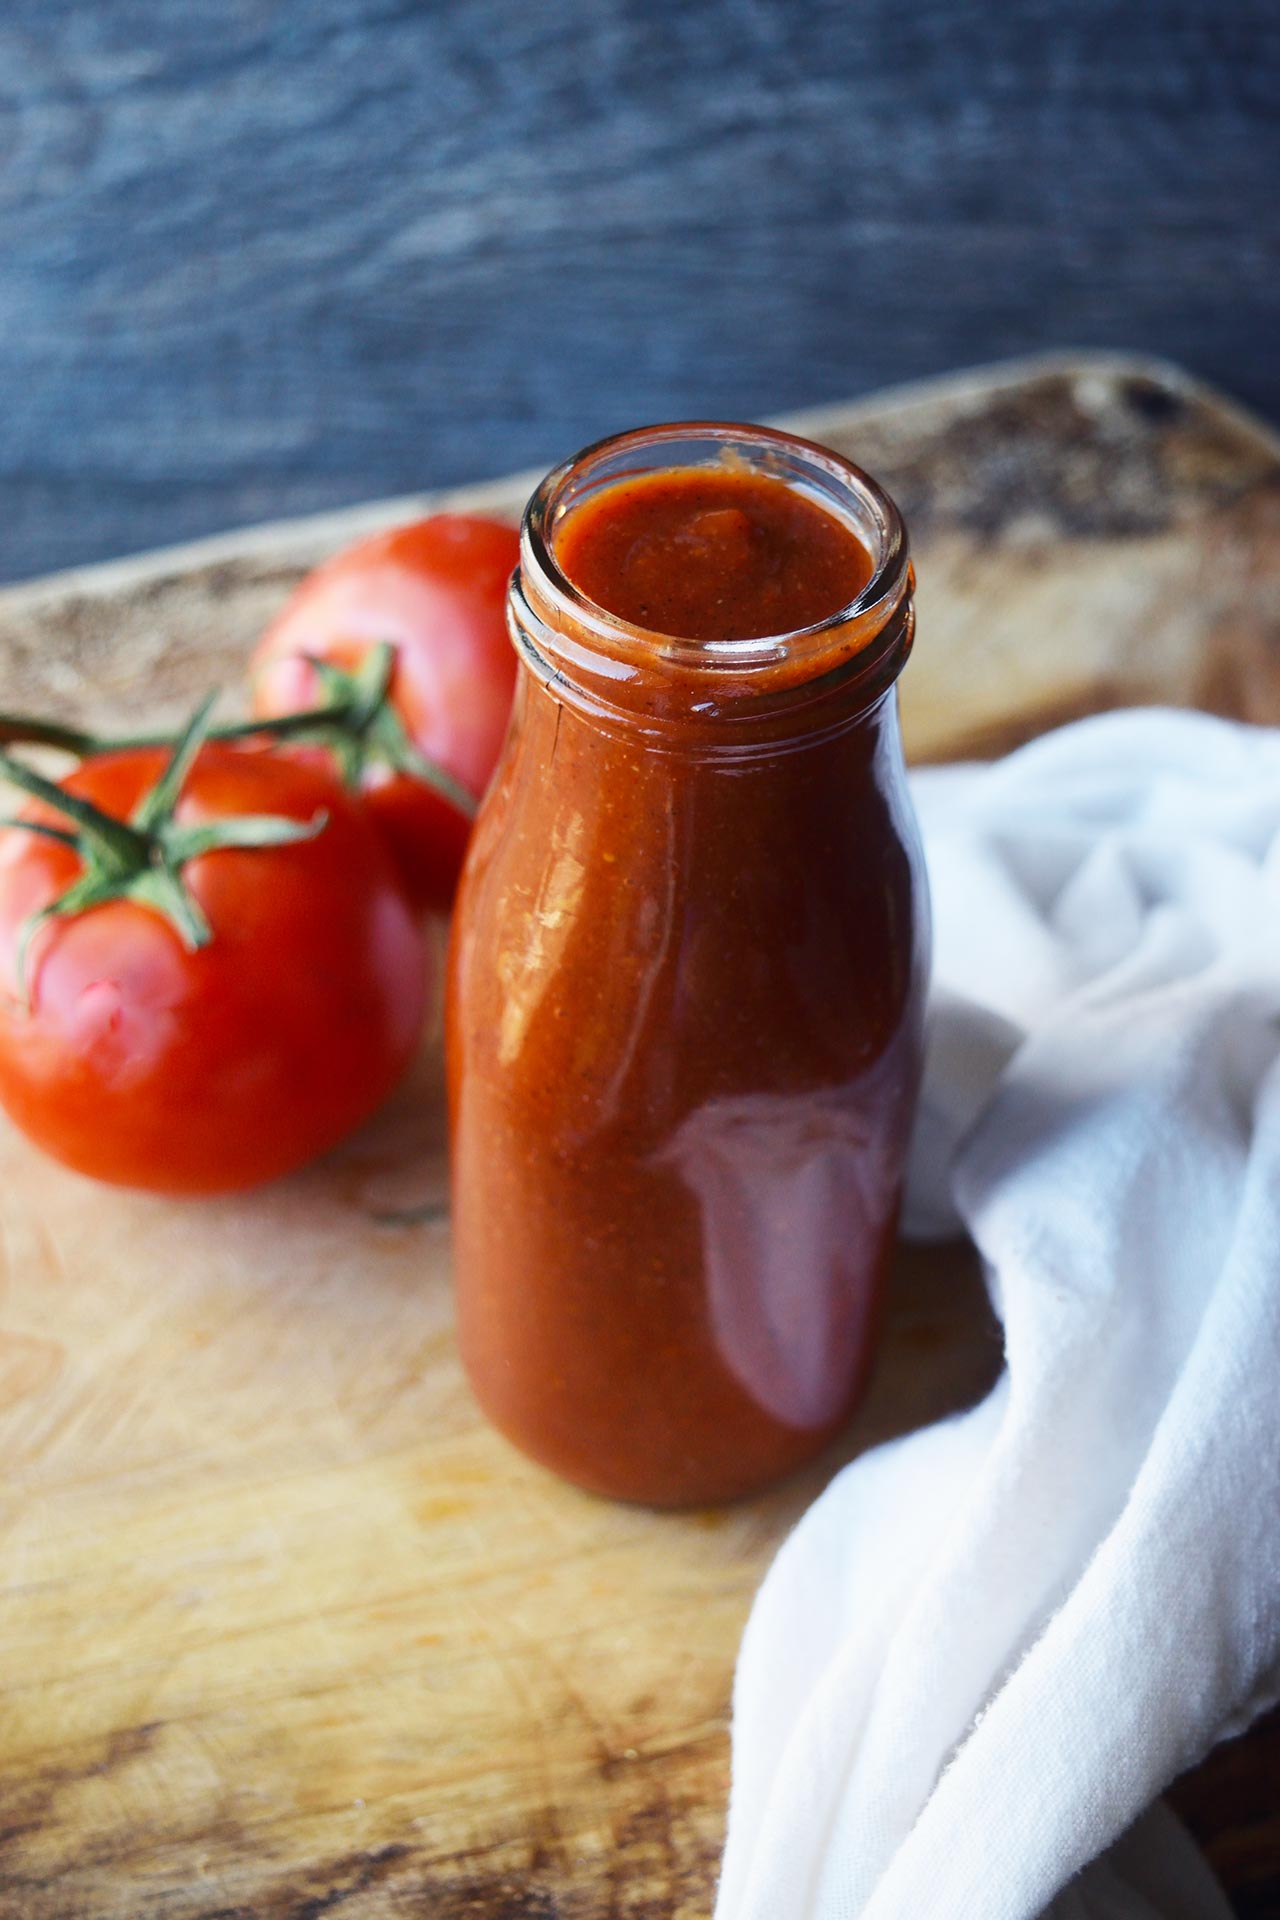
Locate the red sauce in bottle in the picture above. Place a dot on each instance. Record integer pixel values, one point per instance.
(687, 969)
(711, 555)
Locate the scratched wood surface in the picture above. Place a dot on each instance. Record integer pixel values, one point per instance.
(284, 1628)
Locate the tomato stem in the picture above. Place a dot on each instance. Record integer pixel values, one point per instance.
(28, 730)
(22, 730)
(113, 841)
(158, 803)
(357, 723)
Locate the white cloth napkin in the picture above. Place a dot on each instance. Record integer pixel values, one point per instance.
(990, 1645)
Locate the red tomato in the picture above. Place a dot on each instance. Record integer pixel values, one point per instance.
(436, 591)
(141, 1062)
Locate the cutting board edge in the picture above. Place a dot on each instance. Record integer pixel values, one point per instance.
(304, 539)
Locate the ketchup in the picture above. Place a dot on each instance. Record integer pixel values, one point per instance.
(709, 555)
(687, 968)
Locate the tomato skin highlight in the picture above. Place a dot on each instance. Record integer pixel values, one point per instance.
(147, 1065)
(435, 590)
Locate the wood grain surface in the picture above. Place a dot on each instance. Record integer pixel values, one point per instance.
(285, 1630)
(267, 258)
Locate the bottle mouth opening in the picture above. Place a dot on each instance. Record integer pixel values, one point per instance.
(546, 594)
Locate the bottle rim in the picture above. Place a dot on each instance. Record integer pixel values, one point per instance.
(542, 594)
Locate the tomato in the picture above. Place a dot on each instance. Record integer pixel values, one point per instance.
(436, 592)
(133, 1058)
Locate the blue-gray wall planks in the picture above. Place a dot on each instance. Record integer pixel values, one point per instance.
(262, 258)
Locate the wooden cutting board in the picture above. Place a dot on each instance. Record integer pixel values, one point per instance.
(285, 1630)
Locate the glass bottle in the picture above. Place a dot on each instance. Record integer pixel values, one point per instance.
(684, 1012)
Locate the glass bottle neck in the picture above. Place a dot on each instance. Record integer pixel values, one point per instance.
(726, 690)
(727, 711)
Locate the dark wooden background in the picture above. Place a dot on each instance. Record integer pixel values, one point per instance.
(260, 258)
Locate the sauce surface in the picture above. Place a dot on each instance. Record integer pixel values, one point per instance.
(711, 553)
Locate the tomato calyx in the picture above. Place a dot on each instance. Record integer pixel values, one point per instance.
(141, 858)
(360, 726)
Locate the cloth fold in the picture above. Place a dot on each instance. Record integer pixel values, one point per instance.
(989, 1646)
